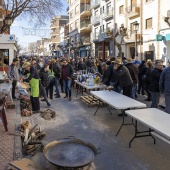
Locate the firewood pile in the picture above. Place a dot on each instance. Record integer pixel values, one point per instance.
(31, 138)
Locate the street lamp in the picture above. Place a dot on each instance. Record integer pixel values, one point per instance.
(8, 20)
(136, 28)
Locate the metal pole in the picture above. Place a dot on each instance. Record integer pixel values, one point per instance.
(136, 52)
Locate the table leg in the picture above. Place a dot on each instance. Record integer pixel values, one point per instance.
(137, 134)
(123, 122)
(102, 105)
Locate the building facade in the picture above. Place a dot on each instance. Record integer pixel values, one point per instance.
(102, 19)
(89, 21)
(79, 27)
(153, 34)
(56, 25)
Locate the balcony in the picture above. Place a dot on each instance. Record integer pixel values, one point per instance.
(131, 38)
(85, 40)
(52, 26)
(103, 34)
(55, 32)
(84, 27)
(67, 10)
(132, 11)
(85, 10)
(95, 20)
(108, 14)
(95, 3)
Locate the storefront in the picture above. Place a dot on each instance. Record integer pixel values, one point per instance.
(7, 50)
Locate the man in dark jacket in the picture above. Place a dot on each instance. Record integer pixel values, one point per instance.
(57, 74)
(81, 65)
(142, 71)
(67, 74)
(124, 78)
(13, 75)
(154, 83)
(133, 70)
(44, 83)
(164, 85)
(111, 74)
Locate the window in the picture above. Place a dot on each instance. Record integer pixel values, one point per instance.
(77, 37)
(71, 26)
(71, 14)
(76, 9)
(132, 28)
(76, 23)
(149, 23)
(121, 9)
(133, 3)
(109, 25)
(96, 13)
(4, 57)
(108, 9)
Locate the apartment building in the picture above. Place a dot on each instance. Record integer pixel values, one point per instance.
(63, 46)
(56, 25)
(79, 27)
(153, 34)
(102, 19)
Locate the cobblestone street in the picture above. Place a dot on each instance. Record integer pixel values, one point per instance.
(7, 139)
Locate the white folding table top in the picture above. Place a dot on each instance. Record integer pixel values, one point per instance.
(5, 86)
(96, 86)
(117, 100)
(153, 118)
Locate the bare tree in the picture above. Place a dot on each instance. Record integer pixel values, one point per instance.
(36, 12)
(122, 32)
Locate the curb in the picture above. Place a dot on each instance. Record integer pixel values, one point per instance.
(17, 155)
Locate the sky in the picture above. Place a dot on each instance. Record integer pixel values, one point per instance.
(26, 34)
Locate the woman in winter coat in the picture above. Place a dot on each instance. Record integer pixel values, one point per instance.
(149, 66)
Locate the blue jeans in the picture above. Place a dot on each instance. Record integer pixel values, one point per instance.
(88, 69)
(56, 86)
(167, 102)
(155, 99)
(133, 92)
(67, 87)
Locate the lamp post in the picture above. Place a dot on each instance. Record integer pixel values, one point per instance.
(8, 21)
(136, 28)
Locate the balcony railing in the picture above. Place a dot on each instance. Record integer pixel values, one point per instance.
(132, 11)
(95, 3)
(84, 24)
(95, 19)
(85, 7)
(85, 40)
(104, 33)
(108, 13)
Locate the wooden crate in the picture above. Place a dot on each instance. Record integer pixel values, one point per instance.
(91, 100)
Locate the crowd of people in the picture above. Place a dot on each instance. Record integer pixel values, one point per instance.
(131, 76)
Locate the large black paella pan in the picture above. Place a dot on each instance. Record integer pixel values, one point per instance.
(70, 152)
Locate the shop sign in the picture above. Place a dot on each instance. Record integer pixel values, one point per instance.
(7, 39)
(159, 37)
(167, 37)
